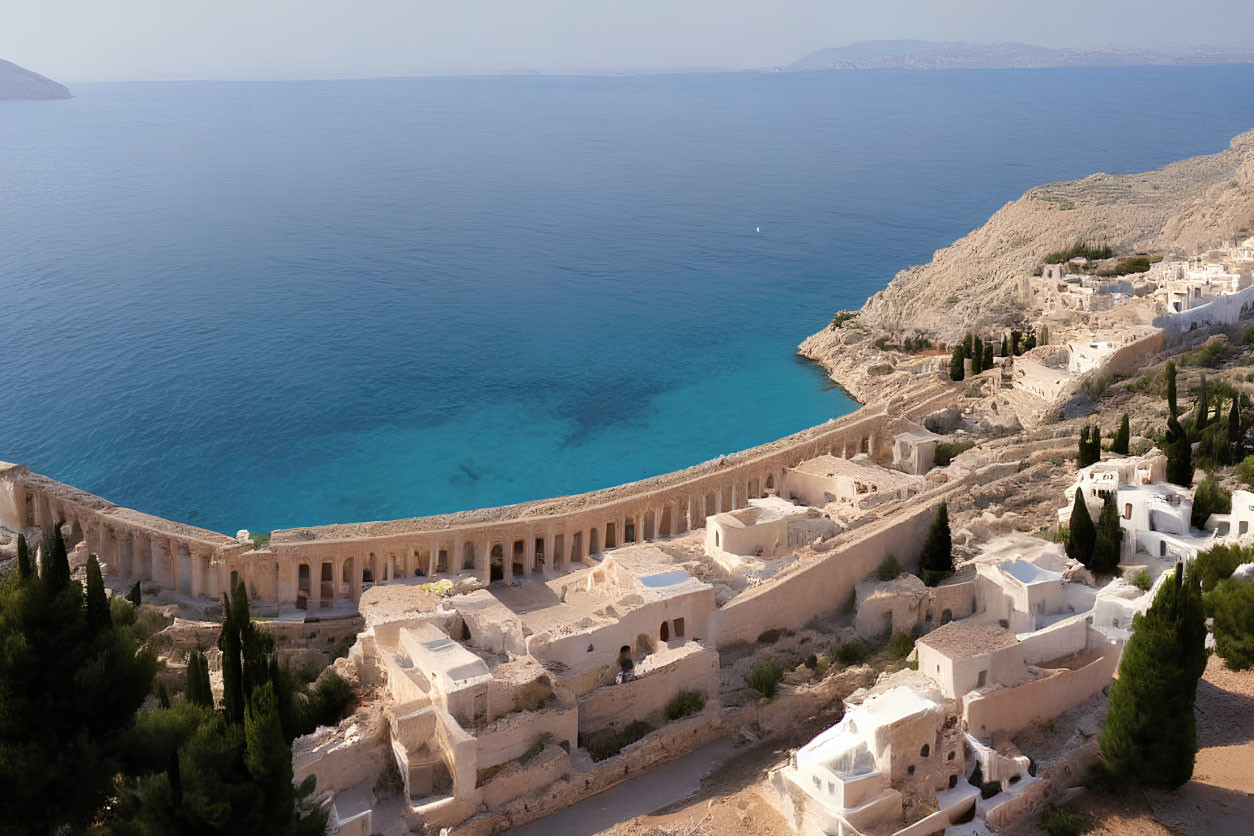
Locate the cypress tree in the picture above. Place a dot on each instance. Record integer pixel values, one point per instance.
(1081, 535)
(55, 569)
(1030, 342)
(135, 596)
(937, 557)
(1107, 546)
(25, 569)
(199, 687)
(1203, 409)
(97, 602)
(1005, 346)
(1179, 454)
(1234, 432)
(1082, 454)
(1119, 444)
(1095, 445)
(1149, 737)
(232, 666)
(956, 370)
(268, 758)
(1170, 375)
(988, 354)
(966, 344)
(1015, 345)
(977, 355)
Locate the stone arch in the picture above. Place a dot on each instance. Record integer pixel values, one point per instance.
(302, 581)
(711, 502)
(770, 483)
(666, 522)
(346, 576)
(468, 557)
(751, 490)
(629, 530)
(947, 616)
(611, 540)
(538, 563)
(664, 632)
(650, 525)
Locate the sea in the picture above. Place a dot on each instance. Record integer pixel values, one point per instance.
(262, 305)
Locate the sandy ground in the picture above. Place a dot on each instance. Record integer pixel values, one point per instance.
(1219, 801)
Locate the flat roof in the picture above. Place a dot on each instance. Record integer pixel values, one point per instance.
(959, 639)
(1028, 573)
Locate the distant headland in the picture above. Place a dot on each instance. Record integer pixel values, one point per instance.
(953, 55)
(20, 84)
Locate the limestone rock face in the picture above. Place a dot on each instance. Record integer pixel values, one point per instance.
(978, 281)
(19, 83)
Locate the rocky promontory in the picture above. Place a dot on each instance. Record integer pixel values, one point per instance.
(977, 282)
(20, 84)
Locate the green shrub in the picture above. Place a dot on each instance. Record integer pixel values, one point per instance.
(330, 699)
(947, 451)
(1095, 387)
(260, 539)
(812, 662)
(1142, 580)
(900, 645)
(1246, 471)
(685, 704)
(841, 318)
(1064, 821)
(1127, 266)
(1219, 562)
(121, 612)
(1231, 605)
(851, 653)
(764, 677)
(1209, 499)
(1211, 355)
(889, 569)
(1080, 250)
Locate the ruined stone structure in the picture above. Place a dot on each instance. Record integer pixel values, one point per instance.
(317, 567)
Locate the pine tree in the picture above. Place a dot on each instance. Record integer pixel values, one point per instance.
(937, 557)
(54, 571)
(988, 354)
(97, 602)
(1170, 375)
(1179, 454)
(1081, 535)
(956, 370)
(25, 569)
(1109, 541)
(1149, 737)
(1119, 444)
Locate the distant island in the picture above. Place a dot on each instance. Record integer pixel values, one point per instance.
(954, 55)
(20, 84)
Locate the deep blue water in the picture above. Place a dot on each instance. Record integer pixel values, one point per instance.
(274, 304)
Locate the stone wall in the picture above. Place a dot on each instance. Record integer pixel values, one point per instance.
(647, 695)
(1013, 709)
(824, 585)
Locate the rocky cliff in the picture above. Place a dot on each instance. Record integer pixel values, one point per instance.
(976, 282)
(19, 83)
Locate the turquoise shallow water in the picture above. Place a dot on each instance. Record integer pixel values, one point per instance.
(274, 304)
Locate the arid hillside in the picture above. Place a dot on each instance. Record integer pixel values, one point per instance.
(976, 281)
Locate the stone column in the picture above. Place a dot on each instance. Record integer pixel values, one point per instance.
(529, 552)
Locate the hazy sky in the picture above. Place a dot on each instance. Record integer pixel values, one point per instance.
(114, 40)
